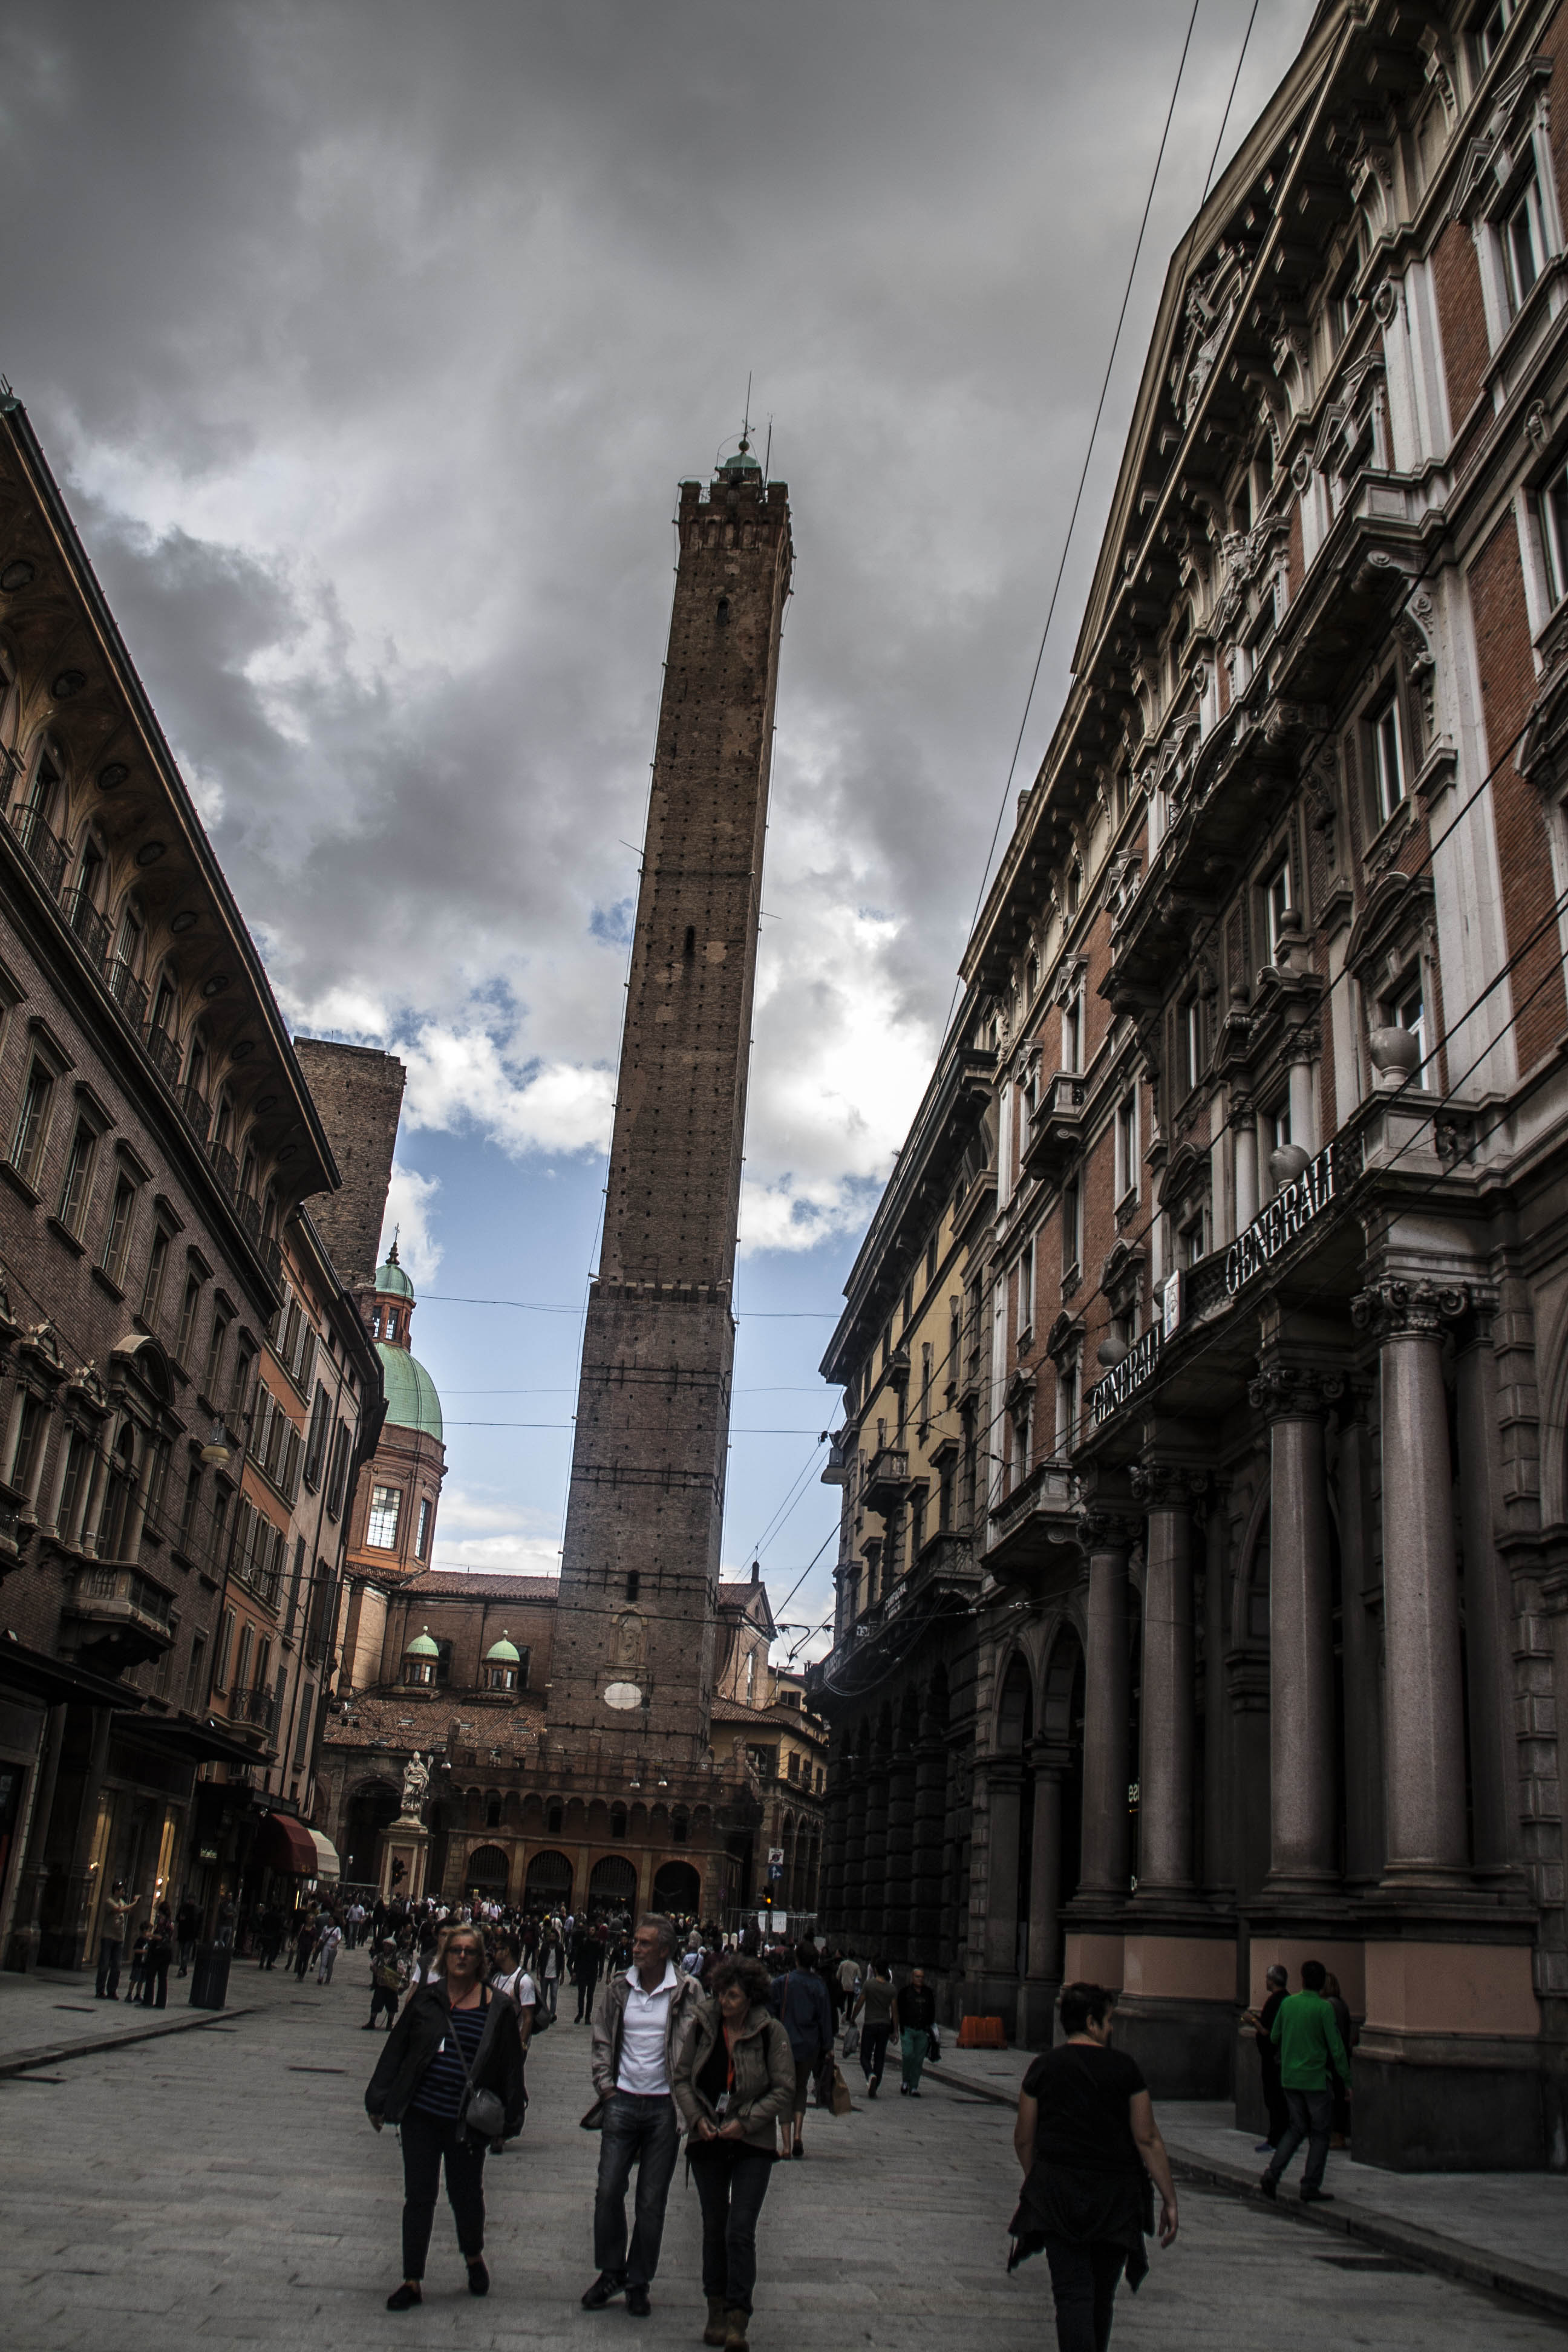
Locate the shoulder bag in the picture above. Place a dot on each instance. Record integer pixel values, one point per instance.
(482, 2112)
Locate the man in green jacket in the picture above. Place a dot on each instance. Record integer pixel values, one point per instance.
(1308, 2040)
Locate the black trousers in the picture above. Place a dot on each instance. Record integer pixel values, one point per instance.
(874, 2040)
(1084, 2280)
(381, 1998)
(428, 2142)
(1274, 2099)
(109, 1951)
(730, 2190)
(586, 1988)
(155, 1983)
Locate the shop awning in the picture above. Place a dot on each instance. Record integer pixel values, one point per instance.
(201, 1743)
(327, 1862)
(284, 1843)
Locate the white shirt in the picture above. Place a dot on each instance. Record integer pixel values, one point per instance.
(521, 1986)
(644, 2036)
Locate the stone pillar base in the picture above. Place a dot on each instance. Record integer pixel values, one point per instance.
(1036, 2022)
(407, 1842)
(1440, 2103)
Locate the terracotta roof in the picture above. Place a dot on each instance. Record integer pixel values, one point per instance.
(479, 1584)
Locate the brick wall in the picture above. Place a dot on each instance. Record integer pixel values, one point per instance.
(358, 1093)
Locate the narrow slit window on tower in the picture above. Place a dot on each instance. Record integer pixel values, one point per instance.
(633, 1582)
(691, 947)
(722, 614)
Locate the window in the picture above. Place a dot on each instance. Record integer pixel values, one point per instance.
(242, 1662)
(1387, 748)
(1408, 1011)
(316, 1447)
(1067, 1404)
(931, 1259)
(385, 1502)
(217, 1342)
(189, 1507)
(195, 1694)
(1127, 1146)
(422, 1540)
(78, 1186)
(340, 1472)
(302, 1730)
(1190, 1242)
(188, 1305)
(1276, 906)
(29, 1443)
(1488, 32)
(239, 1395)
(1074, 887)
(1195, 1045)
(117, 1245)
(1522, 232)
(73, 1487)
(1072, 1033)
(1026, 1290)
(908, 1304)
(1072, 1224)
(33, 1125)
(925, 1386)
(157, 1267)
(225, 1645)
(1551, 507)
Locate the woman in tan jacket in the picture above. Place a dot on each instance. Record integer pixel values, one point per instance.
(733, 2084)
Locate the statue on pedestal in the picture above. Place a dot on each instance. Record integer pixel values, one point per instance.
(416, 1787)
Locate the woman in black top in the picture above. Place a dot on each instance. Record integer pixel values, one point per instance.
(1089, 2143)
(455, 2033)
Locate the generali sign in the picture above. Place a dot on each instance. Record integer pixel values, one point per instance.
(1289, 1213)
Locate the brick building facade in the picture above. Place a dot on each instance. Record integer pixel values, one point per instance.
(1241, 1482)
(169, 1314)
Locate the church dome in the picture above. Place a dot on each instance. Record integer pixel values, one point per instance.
(391, 1282)
(503, 1653)
(411, 1399)
(422, 1646)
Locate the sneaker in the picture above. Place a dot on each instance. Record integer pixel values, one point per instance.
(602, 2291)
(871, 2090)
(1263, 2148)
(638, 2303)
(1268, 2187)
(1317, 2197)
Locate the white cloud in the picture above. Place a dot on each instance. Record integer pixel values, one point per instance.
(409, 1201)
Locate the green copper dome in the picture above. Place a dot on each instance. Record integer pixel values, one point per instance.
(503, 1653)
(411, 1399)
(743, 462)
(391, 1282)
(422, 1646)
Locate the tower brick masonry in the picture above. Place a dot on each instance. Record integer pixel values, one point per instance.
(640, 1565)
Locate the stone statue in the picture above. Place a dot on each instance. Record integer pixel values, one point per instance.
(628, 1640)
(416, 1786)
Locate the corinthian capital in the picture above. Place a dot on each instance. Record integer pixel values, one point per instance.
(1396, 1309)
(1168, 1486)
(1287, 1392)
(1103, 1530)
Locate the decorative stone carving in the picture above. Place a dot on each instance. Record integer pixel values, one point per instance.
(1395, 1308)
(1538, 424)
(1287, 1392)
(1101, 1530)
(1167, 1486)
(416, 1786)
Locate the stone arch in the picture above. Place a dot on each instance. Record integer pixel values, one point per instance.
(612, 1885)
(547, 1884)
(372, 1806)
(677, 1889)
(1014, 1724)
(489, 1869)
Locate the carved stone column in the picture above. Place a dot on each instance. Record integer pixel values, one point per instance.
(1301, 1631)
(1167, 1725)
(1359, 1632)
(1245, 1121)
(898, 1878)
(853, 1906)
(873, 1873)
(1219, 1856)
(1005, 1805)
(1106, 1738)
(1489, 1604)
(1045, 1944)
(931, 1793)
(1423, 1749)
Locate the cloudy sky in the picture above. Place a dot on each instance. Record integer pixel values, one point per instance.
(370, 340)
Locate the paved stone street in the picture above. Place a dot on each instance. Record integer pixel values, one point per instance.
(224, 2184)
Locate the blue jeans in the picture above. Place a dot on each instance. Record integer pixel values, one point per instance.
(1311, 2119)
(644, 2132)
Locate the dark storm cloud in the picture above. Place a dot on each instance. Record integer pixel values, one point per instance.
(373, 339)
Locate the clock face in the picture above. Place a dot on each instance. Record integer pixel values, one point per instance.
(623, 1695)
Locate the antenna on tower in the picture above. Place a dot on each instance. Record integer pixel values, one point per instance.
(767, 458)
(746, 420)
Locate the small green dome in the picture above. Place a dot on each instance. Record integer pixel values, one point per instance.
(391, 1282)
(504, 1653)
(422, 1646)
(411, 1399)
(743, 462)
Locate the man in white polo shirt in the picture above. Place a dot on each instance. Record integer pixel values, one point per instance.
(642, 2022)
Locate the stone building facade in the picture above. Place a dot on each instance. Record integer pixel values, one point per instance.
(1263, 1319)
(157, 1143)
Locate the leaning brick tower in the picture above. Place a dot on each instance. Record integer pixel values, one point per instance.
(632, 1670)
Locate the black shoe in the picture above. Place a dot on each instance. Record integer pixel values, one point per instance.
(479, 2277)
(638, 2303)
(602, 2291)
(369, 2028)
(404, 2298)
(914, 2094)
(1317, 2197)
(871, 2090)
(1268, 2187)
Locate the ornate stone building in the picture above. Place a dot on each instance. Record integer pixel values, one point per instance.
(1254, 1266)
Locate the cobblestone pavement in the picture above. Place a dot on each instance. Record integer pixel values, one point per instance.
(223, 2186)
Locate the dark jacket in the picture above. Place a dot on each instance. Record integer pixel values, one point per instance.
(419, 2034)
(916, 2007)
(765, 2074)
(804, 2010)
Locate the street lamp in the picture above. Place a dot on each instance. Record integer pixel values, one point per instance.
(216, 1452)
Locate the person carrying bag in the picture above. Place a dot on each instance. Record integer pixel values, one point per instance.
(450, 2076)
(802, 2006)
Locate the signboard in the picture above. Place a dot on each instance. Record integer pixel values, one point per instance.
(1124, 1380)
(775, 1853)
(1289, 1213)
(1172, 1296)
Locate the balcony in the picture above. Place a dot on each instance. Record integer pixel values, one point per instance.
(886, 1479)
(1055, 1130)
(1036, 1526)
(91, 927)
(128, 992)
(224, 1168)
(197, 1110)
(250, 1214)
(46, 851)
(253, 1707)
(165, 1055)
(120, 1617)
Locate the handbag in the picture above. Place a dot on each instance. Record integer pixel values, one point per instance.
(851, 2041)
(841, 2102)
(481, 2111)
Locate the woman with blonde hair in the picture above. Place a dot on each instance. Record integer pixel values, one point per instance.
(450, 2076)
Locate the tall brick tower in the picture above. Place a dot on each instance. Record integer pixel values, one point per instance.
(632, 1671)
